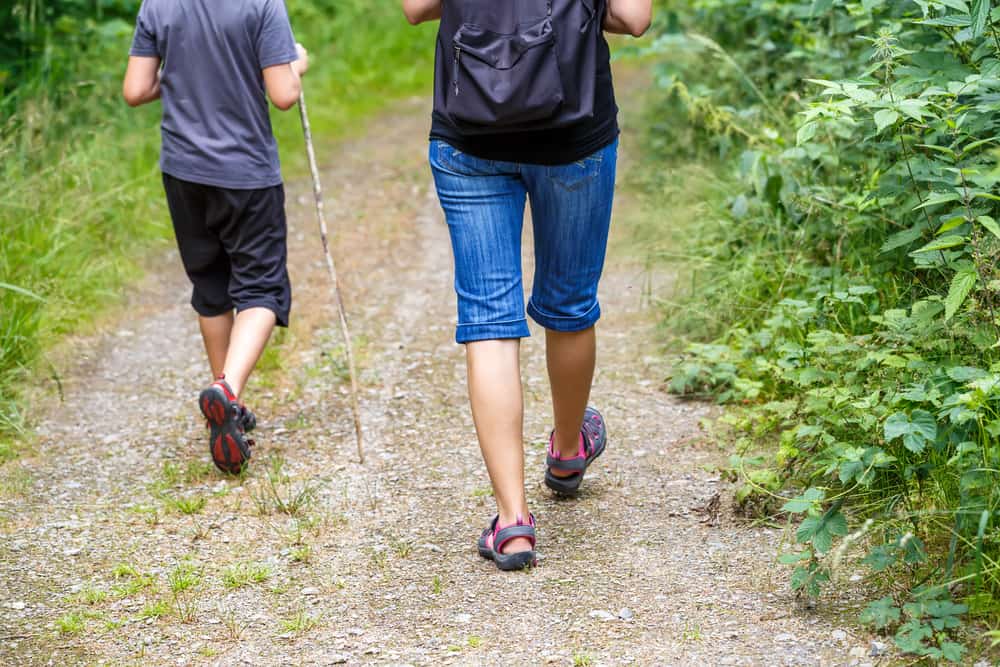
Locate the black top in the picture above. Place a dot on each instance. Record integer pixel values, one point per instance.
(549, 147)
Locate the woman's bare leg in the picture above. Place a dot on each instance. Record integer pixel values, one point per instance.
(494, 368)
(570, 357)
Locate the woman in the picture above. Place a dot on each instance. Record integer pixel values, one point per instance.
(483, 177)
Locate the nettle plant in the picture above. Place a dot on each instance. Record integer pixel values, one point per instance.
(923, 125)
(878, 364)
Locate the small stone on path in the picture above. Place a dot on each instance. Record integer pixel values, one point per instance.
(602, 615)
(838, 635)
(310, 590)
(626, 614)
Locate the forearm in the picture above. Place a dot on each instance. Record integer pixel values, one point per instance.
(150, 95)
(628, 17)
(419, 11)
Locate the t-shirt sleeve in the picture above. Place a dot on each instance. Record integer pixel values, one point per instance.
(275, 43)
(144, 39)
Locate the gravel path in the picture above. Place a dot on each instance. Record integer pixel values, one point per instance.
(121, 545)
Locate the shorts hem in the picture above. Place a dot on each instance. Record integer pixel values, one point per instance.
(280, 315)
(470, 333)
(205, 311)
(566, 324)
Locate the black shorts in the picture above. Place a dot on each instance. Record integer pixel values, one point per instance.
(233, 244)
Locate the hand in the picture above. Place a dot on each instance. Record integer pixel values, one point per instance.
(301, 66)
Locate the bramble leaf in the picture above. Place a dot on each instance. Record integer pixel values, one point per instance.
(881, 613)
(819, 531)
(916, 430)
(805, 502)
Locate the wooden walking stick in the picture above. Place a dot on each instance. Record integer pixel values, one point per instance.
(332, 268)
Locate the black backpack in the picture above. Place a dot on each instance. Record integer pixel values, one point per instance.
(516, 65)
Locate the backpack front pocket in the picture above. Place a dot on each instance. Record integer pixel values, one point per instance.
(503, 80)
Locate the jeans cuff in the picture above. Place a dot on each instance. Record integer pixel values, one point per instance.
(469, 333)
(567, 324)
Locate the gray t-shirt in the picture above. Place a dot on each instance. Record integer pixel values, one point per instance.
(216, 128)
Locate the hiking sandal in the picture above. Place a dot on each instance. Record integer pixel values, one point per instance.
(493, 539)
(248, 420)
(227, 441)
(593, 440)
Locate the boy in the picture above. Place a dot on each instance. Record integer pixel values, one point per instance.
(222, 179)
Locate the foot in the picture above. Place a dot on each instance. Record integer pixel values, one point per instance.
(565, 474)
(511, 547)
(227, 441)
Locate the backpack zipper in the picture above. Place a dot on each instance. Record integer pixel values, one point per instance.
(458, 59)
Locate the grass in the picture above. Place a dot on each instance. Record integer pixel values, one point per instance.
(301, 554)
(70, 624)
(157, 609)
(173, 474)
(403, 548)
(129, 580)
(380, 559)
(186, 505)
(299, 623)
(239, 575)
(90, 595)
(15, 481)
(183, 577)
(278, 493)
(80, 197)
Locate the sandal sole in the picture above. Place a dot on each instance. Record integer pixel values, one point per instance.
(224, 442)
(521, 560)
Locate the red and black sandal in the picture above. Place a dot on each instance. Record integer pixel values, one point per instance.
(227, 442)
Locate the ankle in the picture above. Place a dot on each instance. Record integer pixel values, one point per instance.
(234, 386)
(567, 446)
(513, 517)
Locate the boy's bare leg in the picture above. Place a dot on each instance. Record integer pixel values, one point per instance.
(250, 334)
(215, 332)
(498, 411)
(570, 357)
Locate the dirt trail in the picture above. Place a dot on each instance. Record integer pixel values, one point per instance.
(120, 545)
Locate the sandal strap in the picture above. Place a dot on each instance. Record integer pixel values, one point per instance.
(577, 464)
(505, 535)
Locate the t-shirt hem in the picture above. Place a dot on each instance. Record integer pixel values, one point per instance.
(217, 182)
(144, 53)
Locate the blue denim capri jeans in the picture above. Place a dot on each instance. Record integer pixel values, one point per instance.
(484, 203)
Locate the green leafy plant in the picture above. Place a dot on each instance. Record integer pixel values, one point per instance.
(845, 290)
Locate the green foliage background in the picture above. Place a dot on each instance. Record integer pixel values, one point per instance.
(843, 285)
(80, 198)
